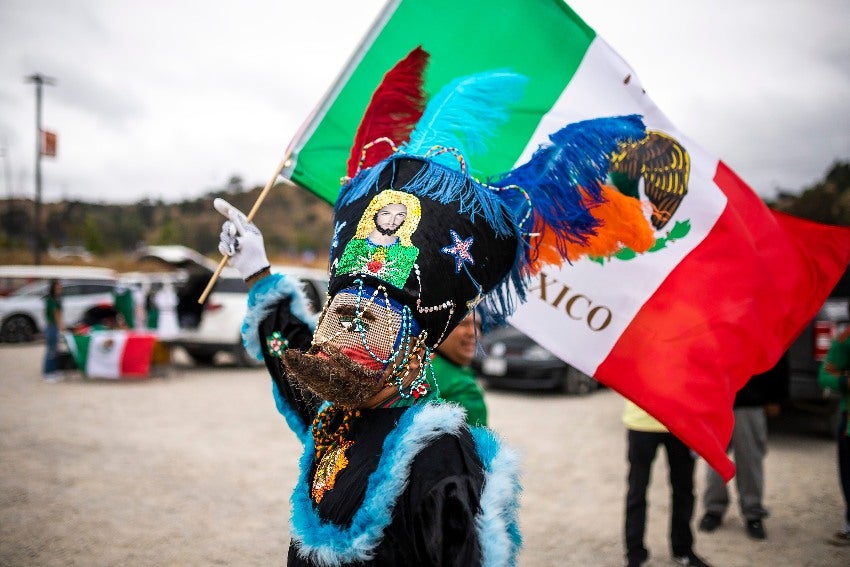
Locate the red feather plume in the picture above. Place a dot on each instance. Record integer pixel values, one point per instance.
(395, 108)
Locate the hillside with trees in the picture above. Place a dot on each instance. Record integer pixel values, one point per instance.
(295, 223)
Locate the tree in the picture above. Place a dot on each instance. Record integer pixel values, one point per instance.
(93, 236)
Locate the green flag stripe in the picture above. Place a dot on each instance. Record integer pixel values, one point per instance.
(541, 39)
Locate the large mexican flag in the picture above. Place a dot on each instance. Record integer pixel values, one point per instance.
(679, 329)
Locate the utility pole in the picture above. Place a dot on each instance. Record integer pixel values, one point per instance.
(7, 175)
(39, 80)
(4, 149)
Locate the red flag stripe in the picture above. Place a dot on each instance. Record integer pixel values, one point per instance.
(727, 311)
(137, 354)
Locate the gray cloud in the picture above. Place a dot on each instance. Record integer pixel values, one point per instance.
(168, 99)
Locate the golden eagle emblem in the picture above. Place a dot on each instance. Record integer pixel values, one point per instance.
(663, 164)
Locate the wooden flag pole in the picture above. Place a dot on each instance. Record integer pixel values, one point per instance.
(260, 198)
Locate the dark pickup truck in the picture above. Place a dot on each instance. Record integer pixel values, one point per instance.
(808, 350)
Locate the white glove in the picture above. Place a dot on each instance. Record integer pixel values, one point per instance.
(241, 241)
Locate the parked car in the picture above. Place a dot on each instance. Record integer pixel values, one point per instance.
(508, 358)
(808, 351)
(215, 326)
(22, 312)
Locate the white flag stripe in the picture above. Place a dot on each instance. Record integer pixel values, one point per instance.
(106, 349)
(619, 288)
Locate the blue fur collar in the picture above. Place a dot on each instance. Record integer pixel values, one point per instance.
(496, 523)
(262, 299)
(329, 545)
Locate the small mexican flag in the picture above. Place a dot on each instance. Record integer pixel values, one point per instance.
(112, 353)
(679, 329)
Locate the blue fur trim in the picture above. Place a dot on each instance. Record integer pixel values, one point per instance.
(293, 420)
(262, 298)
(328, 544)
(496, 523)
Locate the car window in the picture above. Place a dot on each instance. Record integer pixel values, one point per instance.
(72, 290)
(97, 288)
(35, 288)
(231, 285)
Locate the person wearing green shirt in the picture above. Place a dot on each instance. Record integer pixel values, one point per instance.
(55, 324)
(834, 374)
(455, 377)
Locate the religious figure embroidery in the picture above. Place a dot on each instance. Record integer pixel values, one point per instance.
(381, 247)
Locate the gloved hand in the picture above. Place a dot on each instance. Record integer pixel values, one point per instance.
(241, 241)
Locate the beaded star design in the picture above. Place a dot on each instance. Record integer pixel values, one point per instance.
(460, 250)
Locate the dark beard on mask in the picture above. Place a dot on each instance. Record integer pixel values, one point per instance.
(388, 231)
(337, 378)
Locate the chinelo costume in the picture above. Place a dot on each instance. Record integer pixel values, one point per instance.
(418, 243)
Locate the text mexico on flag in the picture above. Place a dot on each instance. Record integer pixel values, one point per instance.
(112, 353)
(678, 329)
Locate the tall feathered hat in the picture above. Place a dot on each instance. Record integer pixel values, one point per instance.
(415, 228)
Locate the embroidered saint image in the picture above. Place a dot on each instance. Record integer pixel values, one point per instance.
(381, 247)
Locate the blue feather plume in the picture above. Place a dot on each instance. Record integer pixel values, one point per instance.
(563, 179)
(465, 114)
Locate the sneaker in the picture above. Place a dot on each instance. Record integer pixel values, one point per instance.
(710, 522)
(755, 529)
(53, 378)
(691, 559)
(840, 538)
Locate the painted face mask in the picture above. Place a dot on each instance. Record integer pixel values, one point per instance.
(364, 341)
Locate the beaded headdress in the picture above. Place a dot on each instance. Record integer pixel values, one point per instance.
(415, 228)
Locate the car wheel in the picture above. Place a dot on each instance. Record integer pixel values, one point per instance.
(201, 357)
(578, 383)
(17, 329)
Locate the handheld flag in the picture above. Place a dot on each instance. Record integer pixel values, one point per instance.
(677, 321)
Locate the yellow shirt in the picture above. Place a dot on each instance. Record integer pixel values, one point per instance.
(638, 420)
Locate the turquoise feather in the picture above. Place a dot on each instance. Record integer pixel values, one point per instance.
(465, 115)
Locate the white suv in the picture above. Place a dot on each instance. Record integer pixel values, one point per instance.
(22, 312)
(215, 326)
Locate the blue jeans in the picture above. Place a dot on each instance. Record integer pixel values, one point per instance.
(51, 341)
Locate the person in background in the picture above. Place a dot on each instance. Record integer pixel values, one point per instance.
(122, 299)
(759, 399)
(645, 434)
(834, 373)
(151, 310)
(165, 302)
(451, 365)
(55, 325)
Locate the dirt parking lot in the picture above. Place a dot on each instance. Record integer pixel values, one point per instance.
(195, 468)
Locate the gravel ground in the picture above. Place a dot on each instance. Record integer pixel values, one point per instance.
(194, 467)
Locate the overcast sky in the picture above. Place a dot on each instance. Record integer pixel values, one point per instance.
(170, 98)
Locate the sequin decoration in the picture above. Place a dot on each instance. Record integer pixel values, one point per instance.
(330, 465)
(460, 250)
(381, 246)
(276, 344)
